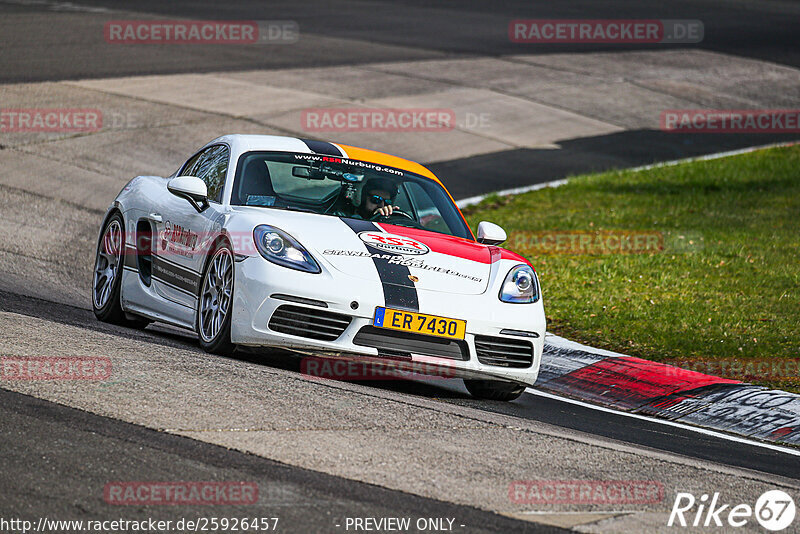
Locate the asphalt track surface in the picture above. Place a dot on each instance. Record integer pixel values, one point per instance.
(649, 434)
(54, 40)
(53, 455)
(395, 31)
(73, 449)
(70, 454)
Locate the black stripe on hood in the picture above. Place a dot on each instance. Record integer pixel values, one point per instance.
(398, 289)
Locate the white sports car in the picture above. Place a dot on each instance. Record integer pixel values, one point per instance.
(325, 249)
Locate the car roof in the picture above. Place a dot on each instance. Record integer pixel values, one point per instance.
(241, 143)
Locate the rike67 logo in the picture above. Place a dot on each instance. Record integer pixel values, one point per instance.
(774, 511)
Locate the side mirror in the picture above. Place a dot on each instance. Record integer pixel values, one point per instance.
(192, 189)
(490, 233)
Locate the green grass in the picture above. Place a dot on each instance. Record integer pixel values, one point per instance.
(727, 284)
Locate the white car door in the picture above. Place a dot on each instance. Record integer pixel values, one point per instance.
(184, 235)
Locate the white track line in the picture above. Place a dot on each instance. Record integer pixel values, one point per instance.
(700, 430)
(515, 191)
(555, 183)
(717, 155)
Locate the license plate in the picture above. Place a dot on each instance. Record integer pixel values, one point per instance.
(420, 323)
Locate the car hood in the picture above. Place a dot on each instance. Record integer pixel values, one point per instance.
(396, 254)
(432, 261)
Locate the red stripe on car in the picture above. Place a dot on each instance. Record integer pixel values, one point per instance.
(454, 246)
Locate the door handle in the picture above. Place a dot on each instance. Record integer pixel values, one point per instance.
(155, 217)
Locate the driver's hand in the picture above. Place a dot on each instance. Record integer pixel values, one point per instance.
(385, 210)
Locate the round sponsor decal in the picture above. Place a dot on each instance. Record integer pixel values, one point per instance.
(394, 243)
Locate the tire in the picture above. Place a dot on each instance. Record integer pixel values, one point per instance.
(215, 302)
(494, 389)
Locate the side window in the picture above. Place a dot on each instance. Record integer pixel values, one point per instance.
(211, 166)
(186, 170)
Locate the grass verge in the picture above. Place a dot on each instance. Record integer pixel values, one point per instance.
(714, 283)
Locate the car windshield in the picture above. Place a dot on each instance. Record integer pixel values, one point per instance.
(340, 187)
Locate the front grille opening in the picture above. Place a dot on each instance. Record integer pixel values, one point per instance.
(504, 352)
(390, 354)
(394, 343)
(309, 322)
(299, 300)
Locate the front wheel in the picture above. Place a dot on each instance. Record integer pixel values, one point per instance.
(215, 305)
(494, 389)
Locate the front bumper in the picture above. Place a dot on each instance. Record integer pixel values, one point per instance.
(261, 288)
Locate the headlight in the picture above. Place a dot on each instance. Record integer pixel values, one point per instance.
(279, 247)
(520, 286)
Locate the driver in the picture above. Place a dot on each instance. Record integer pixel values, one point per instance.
(377, 196)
